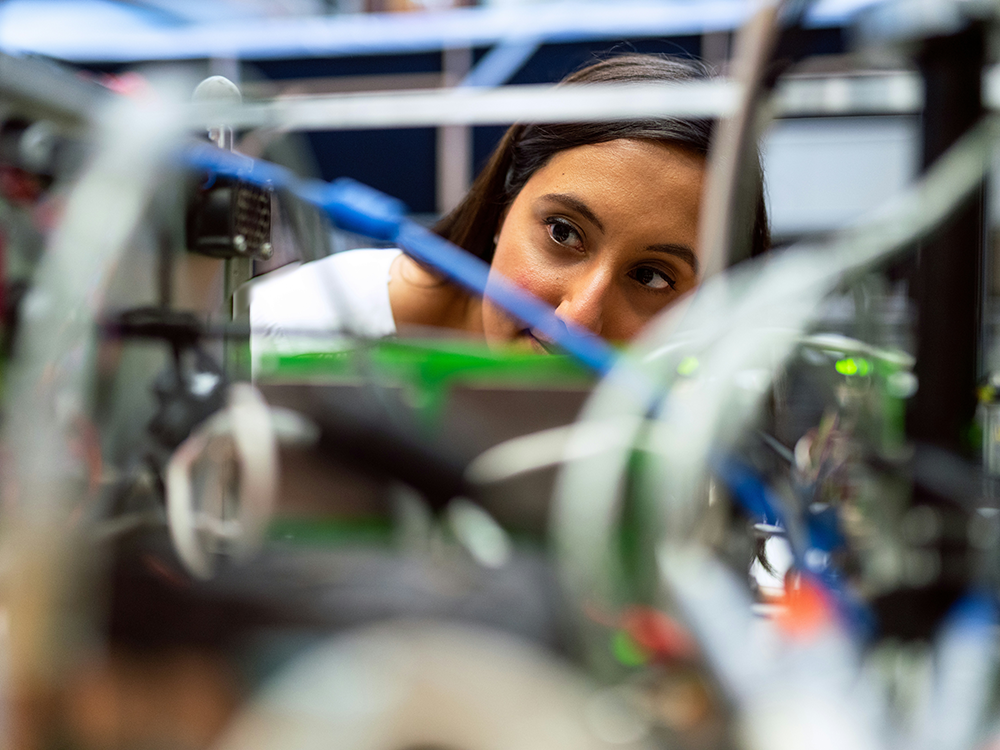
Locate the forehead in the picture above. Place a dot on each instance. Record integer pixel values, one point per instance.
(626, 180)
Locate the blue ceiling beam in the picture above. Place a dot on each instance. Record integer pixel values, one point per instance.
(74, 39)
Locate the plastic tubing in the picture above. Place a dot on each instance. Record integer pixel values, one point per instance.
(366, 211)
(49, 393)
(748, 318)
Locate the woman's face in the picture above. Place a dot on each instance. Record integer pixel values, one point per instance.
(606, 234)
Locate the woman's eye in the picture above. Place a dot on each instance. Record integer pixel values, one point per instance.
(652, 278)
(564, 233)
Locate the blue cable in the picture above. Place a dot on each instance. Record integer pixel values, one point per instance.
(751, 493)
(364, 210)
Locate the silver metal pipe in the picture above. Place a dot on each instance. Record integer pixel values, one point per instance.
(888, 93)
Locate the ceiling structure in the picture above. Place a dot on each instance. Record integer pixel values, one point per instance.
(140, 30)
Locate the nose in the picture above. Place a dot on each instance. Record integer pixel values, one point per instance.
(584, 299)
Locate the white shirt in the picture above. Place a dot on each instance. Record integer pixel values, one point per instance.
(315, 307)
(346, 293)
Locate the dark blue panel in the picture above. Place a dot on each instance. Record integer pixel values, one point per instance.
(831, 41)
(553, 62)
(364, 65)
(398, 162)
(484, 140)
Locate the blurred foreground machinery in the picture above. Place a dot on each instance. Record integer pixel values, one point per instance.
(769, 525)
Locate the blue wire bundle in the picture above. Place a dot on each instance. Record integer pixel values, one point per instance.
(364, 210)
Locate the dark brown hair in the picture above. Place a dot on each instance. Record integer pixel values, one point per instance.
(526, 148)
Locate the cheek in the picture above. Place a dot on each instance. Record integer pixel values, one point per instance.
(516, 262)
(519, 261)
(498, 326)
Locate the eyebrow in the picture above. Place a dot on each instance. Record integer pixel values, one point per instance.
(681, 252)
(571, 201)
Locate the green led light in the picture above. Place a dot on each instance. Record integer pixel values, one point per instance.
(847, 366)
(851, 366)
(687, 366)
(627, 651)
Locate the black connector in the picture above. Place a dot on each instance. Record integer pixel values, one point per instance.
(230, 219)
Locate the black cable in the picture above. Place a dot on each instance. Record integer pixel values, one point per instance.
(355, 427)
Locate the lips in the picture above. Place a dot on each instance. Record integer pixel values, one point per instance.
(543, 344)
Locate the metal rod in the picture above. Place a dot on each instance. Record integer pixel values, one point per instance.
(895, 93)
